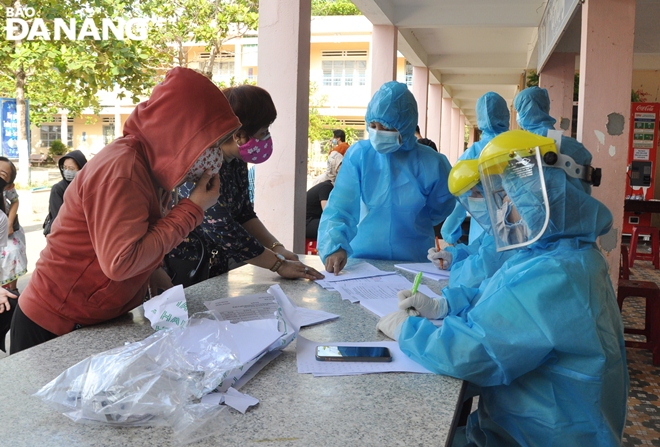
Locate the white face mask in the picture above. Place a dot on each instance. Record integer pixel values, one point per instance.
(384, 141)
(69, 175)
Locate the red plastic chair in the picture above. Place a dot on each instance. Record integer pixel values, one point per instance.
(654, 256)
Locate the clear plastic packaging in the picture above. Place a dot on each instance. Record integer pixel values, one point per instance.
(152, 382)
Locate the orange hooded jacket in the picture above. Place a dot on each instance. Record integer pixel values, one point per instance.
(112, 232)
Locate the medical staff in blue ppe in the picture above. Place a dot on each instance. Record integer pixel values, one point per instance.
(543, 338)
(533, 114)
(492, 119)
(473, 263)
(390, 191)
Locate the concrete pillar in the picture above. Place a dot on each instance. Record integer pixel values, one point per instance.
(238, 63)
(434, 117)
(455, 123)
(384, 41)
(558, 78)
(281, 182)
(460, 148)
(64, 129)
(420, 90)
(606, 64)
(445, 133)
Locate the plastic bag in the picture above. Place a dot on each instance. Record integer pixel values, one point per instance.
(158, 381)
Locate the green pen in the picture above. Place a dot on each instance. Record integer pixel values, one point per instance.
(418, 279)
(411, 310)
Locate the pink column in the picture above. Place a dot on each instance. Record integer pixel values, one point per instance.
(460, 147)
(558, 77)
(281, 182)
(455, 123)
(434, 118)
(606, 63)
(445, 133)
(420, 90)
(383, 55)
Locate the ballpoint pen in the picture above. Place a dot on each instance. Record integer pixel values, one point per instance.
(437, 243)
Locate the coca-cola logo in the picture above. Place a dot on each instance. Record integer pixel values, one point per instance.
(646, 108)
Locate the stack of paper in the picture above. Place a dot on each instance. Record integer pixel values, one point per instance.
(429, 270)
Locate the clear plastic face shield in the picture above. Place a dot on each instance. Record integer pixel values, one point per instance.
(474, 202)
(516, 197)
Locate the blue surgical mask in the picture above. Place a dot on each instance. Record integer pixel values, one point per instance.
(384, 141)
(479, 211)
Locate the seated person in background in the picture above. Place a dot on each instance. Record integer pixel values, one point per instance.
(423, 140)
(317, 197)
(334, 160)
(391, 191)
(118, 221)
(542, 339)
(69, 166)
(338, 142)
(231, 226)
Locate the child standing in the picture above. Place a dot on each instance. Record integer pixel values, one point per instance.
(13, 258)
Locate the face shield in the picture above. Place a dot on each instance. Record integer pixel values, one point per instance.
(511, 171)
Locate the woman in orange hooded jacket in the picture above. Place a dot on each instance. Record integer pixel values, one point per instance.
(117, 222)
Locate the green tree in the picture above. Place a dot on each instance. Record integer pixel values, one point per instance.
(205, 22)
(320, 126)
(334, 8)
(68, 73)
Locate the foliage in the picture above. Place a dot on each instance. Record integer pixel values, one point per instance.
(210, 22)
(532, 79)
(639, 95)
(334, 8)
(320, 126)
(57, 148)
(68, 74)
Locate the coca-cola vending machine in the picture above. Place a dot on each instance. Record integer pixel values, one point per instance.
(643, 148)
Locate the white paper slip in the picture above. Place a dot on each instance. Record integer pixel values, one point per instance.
(430, 271)
(384, 306)
(167, 310)
(378, 287)
(356, 271)
(307, 363)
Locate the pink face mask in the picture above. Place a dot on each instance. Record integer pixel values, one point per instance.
(257, 151)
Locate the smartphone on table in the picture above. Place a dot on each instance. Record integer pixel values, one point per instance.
(334, 353)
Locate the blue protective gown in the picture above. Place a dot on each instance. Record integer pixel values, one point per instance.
(542, 337)
(384, 206)
(533, 108)
(492, 119)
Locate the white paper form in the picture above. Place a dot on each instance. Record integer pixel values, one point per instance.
(307, 363)
(377, 287)
(386, 306)
(263, 306)
(356, 271)
(429, 270)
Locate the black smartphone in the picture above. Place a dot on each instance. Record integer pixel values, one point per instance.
(353, 354)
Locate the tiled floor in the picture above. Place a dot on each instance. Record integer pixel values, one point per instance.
(643, 422)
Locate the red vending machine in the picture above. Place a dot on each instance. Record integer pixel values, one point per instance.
(643, 148)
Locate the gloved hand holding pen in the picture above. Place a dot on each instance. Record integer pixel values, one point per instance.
(440, 258)
(431, 308)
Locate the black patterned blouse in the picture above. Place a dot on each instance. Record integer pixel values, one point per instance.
(223, 222)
